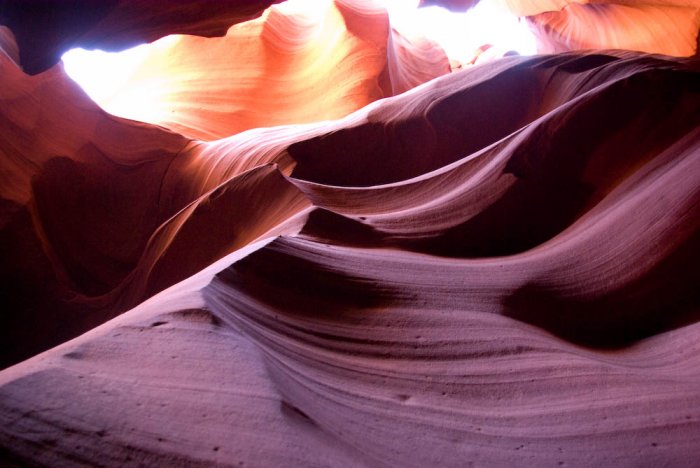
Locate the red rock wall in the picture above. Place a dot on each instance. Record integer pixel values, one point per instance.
(496, 266)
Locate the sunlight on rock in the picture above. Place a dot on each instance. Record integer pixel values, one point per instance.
(487, 30)
(103, 75)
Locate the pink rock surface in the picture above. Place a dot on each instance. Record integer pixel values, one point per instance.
(496, 267)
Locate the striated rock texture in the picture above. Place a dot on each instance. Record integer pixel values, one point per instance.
(293, 65)
(655, 26)
(494, 267)
(97, 202)
(663, 26)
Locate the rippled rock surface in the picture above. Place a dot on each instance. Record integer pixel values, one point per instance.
(404, 266)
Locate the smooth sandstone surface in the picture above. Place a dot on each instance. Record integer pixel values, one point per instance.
(293, 65)
(666, 27)
(496, 266)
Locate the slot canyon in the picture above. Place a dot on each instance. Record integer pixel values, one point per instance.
(350, 233)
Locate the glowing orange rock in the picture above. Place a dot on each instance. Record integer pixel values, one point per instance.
(662, 28)
(656, 26)
(293, 65)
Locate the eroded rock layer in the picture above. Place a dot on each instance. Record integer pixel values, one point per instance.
(496, 267)
(666, 27)
(293, 65)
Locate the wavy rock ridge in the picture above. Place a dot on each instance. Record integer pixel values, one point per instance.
(495, 267)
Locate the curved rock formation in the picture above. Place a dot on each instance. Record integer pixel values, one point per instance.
(46, 29)
(498, 266)
(293, 65)
(669, 28)
(656, 26)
